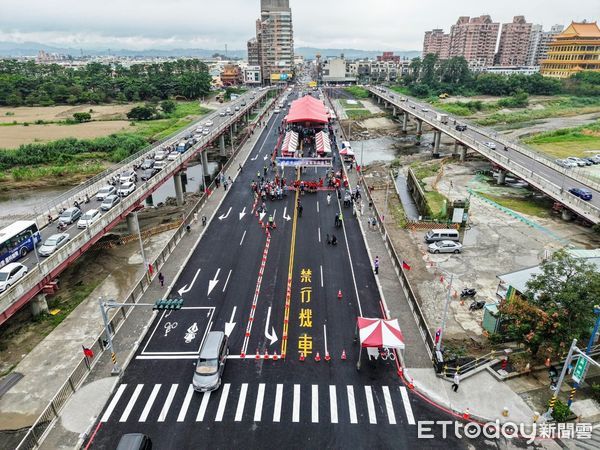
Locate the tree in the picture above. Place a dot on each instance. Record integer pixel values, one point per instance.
(168, 106)
(556, 307)
(145, 112)
(82, 117)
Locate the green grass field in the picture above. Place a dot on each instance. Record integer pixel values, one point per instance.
(578, 141)
(346, 105)
(357, 114)
(357, 92)
(530, 206)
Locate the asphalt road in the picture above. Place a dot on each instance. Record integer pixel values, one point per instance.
(266, 403)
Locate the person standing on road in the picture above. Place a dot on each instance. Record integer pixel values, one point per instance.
(328, 199)
(376, 264)
(161, 279)
(455, 382)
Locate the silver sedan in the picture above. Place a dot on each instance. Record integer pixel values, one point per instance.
(445, 247)
(53, 243)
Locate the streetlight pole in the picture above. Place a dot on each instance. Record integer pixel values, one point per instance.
(139, 233)
(34, 247)
(365, 134)
(438, 345)
(116, 370)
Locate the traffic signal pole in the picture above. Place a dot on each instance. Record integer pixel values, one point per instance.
(560, 379)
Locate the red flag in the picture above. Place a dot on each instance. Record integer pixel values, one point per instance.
(441, 278)
(88, 352)
(405, 265)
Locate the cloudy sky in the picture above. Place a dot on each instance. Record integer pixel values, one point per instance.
(162, 24)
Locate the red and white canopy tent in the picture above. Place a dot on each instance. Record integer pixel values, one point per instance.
(322, 143)
(379, 333)
(309, 110)
(290, 144)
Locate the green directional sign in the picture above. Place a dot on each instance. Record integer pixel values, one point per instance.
(579, 369)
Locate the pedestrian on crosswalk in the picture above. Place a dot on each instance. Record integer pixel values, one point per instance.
(455, 382)
(376, 264)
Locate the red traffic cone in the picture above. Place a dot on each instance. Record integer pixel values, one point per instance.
(317, 357)
(257, 354)
(343, 355)
(275, 357)
(467, 414)
(327, 357)
(267, 354)
(242, 355)
(339, 294)
(301, 356)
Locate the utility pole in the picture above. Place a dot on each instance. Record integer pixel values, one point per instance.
(116, 370)
(139, 233)
(561, 378)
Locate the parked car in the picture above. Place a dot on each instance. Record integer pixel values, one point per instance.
(69, 215)
(126, 189)
(590, 160)
(491, 145)
(90, 217)
(129, 176)
(565, 163)
(445, 247)
(105, 192)
(208, 123)
(595, 158)
(583, 194)
(211, 362)
(134, 441)
(10, 274)
(580, 162)
(149, 173)
(460, 128)
(109, 202)
(53, 243)
(147, 164)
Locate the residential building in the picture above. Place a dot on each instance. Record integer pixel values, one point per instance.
(514, 43)
(333, 70)
(436, 42)
(510, 70)
(252, 74)
(539, 43)
(274, 41)
(388, 56)
(575, 49)
(474, 39)
(253, 52)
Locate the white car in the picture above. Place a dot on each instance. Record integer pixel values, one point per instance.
(565, 163)
(228, 111)
(445, 247)
(126, 189)
(160, 165)
(208, 123)
(109, 202)
(173, 156)
(90, 217)
(128, 176)
(491, 145)
(10, 274)
(105, 192)
(424, 110)
(222, 113)
(206, 132)
(574, 159)
(53, 243)
(160, 155)
(276, 111)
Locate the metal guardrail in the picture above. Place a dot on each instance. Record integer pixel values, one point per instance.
(37, 432)
(581, 207)
(38, 273)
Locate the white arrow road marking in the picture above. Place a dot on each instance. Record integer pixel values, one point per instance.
(262, 215)
(229, 326)
(187, 288)
(221, 217)
(212, 283)
(273, 336)
(255, 158)
(243, 213)
(285, 215)
(266, 156)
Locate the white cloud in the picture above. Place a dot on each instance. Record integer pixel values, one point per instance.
(376, 24)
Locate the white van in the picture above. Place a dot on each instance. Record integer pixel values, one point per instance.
(445, 234)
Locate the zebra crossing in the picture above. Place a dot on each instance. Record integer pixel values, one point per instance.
(261, 402)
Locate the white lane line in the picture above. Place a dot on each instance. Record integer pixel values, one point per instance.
(389, 405)
(113, 403)
(370, 404)
(296, 405)
(203, 406)
(325, 336)
(222, 402)
(259, 402)
(243, 236)
(150, 402)
(321, 276)
(407, 407)
(274, 214)
(317, 207)
(333, 404)
(186, 404)
(315, 404)
(319, 229)
(131, 403)
(351, 404)
(277, 405)
(239, 412)
(351, 264)
(227, 280)
(168, 401)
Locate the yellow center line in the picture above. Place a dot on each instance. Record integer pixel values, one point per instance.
(288, 295)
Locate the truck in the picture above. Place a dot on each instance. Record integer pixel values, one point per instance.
(442, 118)
(183, 145)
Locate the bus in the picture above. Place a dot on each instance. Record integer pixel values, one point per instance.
(17, 240)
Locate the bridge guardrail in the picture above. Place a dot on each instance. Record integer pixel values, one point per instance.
(37, 274)
(37, 432)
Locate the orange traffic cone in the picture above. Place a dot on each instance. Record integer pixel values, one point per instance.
(266, 354)
(343, 355)
(275, 357)
(302, 356)
(327, 357)
(317, 357)
(339, 294)
(467, 414)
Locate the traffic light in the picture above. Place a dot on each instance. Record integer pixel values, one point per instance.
(169, 304)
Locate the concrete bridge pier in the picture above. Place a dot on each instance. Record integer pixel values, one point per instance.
(437, 137)
(149, 200)
(235, 127)
(394, 111)
(419, 127)
(39, 304)
(133, 227)
(178, 188)
(404, 122)
(501, 176)
(566, 215)
(205, 162)
(222, 145)
(463, 153)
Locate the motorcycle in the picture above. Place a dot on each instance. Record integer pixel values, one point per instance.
(477, 304)
(61, 226)
(468, 292)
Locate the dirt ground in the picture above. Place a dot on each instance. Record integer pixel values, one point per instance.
(56, 113)
(16, 135)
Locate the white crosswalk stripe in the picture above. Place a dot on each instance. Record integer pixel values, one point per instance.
(253, 402)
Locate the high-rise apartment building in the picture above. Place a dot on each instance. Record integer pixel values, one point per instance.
(273, 48)
(436, 42)
(474, 39)
(514, 43)
(577, 48)
(539, 42)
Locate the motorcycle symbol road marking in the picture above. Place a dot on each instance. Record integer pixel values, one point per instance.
(191, 333)
(169, 326)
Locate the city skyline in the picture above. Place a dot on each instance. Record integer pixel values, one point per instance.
(157, 25)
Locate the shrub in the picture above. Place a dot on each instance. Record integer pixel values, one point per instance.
(560, 412)
(82, 117)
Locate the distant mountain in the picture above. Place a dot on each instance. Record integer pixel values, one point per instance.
(351, 53)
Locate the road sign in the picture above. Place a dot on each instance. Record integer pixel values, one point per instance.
(303, 162)
(579, 370)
